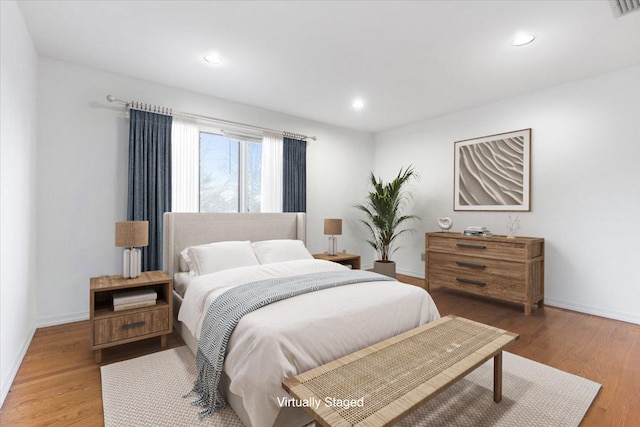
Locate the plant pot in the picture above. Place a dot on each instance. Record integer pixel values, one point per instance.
(388, 268)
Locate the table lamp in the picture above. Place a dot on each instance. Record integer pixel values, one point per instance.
(132, 235)
(333, 228)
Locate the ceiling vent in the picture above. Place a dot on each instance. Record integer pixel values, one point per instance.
(623, 7)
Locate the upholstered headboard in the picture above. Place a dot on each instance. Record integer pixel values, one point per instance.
(181, 230)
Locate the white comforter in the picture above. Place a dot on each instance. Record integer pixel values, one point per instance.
(291, 336)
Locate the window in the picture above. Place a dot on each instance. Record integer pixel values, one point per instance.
(230, 174)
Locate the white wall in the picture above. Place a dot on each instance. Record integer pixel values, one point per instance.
(82, 175)
(18, 196)
(585, 186)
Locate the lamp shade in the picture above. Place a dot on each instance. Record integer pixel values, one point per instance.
(333, 226)
(132, 234)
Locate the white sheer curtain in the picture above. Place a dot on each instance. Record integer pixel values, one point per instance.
(185, 166)
(271, 182)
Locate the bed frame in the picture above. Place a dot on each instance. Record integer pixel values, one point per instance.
(181, 230)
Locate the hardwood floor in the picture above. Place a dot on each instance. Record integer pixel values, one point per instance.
(58, 383)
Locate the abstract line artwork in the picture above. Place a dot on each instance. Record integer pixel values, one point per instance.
(492, 173)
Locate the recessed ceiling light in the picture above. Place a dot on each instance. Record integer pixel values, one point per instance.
(358, 104)
(213, 58)
(522, 39)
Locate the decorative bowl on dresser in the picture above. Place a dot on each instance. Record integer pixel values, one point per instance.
(509, 269)
(110, 326)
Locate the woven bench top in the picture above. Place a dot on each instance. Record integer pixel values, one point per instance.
(386, 381)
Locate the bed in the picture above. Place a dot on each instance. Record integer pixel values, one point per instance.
(287, 337)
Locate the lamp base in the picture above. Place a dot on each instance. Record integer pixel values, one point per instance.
(333, 246)
(131, 263)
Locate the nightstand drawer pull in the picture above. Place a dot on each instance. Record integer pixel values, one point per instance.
(470, 264)
(134, 325)
(469, 246)
(470, 282)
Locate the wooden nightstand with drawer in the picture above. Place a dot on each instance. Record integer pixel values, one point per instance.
(110, 327)
(350, 260)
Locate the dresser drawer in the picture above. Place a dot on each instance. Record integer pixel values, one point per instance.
(132, 325)
(486, 276)
(479, 246)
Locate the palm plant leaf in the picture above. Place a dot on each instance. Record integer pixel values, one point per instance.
(383, 209)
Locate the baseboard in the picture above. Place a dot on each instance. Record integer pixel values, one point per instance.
(62, 318)
(417, 275)
(596, 311)
(7, 382)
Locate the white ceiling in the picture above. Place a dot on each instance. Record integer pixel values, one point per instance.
(408, 60)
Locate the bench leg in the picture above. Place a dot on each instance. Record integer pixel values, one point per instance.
(497, 377)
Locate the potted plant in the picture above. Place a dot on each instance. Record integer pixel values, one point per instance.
(384, 218)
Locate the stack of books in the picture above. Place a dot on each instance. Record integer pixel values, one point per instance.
(476, 231)
(134, 299)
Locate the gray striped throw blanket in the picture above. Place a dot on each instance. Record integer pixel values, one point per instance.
(225, 312)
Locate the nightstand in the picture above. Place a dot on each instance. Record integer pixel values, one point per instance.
(341, 258)
(109, 327)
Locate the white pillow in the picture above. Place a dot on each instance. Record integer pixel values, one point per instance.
(219, 256)
(270, 251)
(184, 261)
(181, 282)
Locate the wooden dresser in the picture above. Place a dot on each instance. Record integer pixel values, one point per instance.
(496, 266)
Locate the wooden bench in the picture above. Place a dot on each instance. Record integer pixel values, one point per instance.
(383, 383)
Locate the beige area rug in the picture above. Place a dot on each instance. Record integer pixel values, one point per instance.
(147, 391)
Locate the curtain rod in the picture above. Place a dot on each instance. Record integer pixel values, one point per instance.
(170, 112)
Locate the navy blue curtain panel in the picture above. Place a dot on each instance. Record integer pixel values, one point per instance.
(294, 175)
(149, 178)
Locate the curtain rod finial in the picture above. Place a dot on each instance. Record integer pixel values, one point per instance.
(111, 98)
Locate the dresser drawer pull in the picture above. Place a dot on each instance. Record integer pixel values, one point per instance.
(469, 246)
(470, 264)
(134, 325)
(470, 282)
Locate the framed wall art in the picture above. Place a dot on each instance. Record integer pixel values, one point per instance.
(493, 173)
